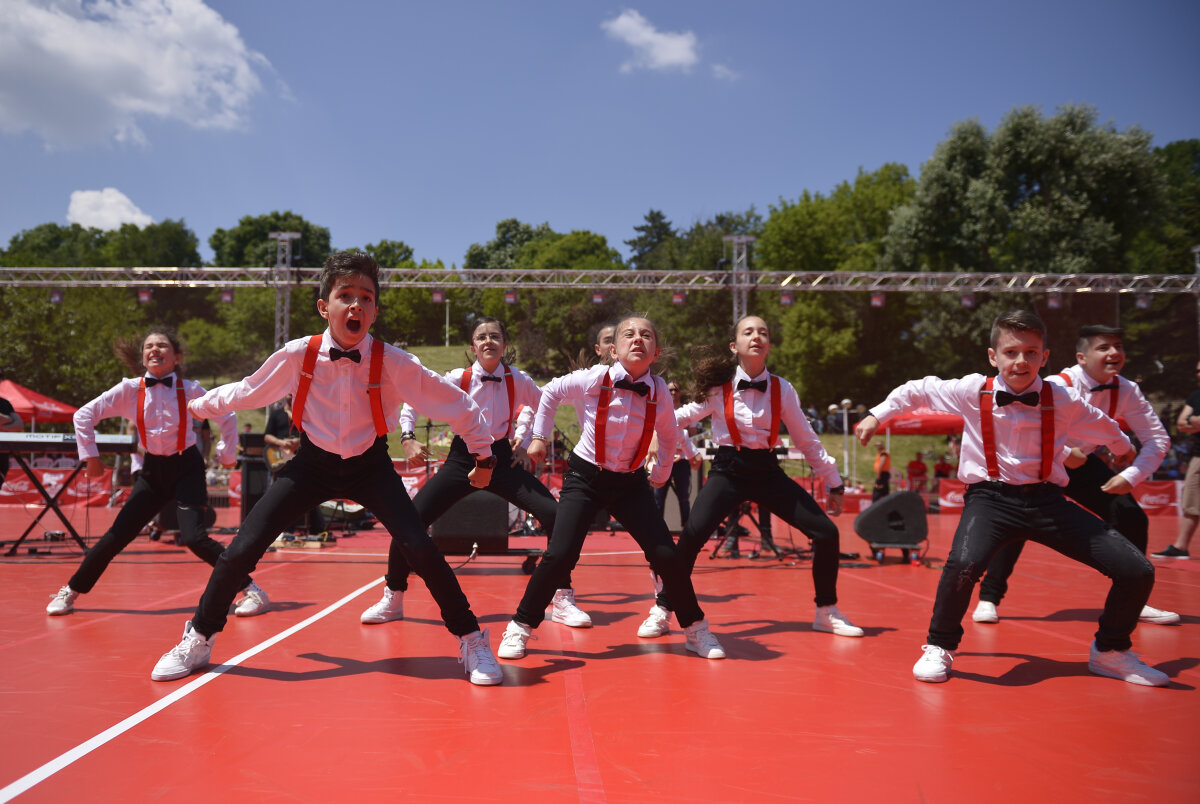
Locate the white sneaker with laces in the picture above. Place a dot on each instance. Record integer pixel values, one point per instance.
(390, 607)
(657, 624)
(1160, 616)
(512, 644)
(832, 621)
(702, 642)
(254, 601)
(1126, 666)
(934, 664)
(191, 653)
(475, 655)
(986, 612)
(62, 602)
(563, 610)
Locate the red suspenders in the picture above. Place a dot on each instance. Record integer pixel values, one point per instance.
(606, 389)
(731, 423)
(181, 441)
(988, 430)
(1112, 403)
(374, 386)
(465, 384)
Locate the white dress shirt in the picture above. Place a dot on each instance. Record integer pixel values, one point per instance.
(161, 416)
(626, 417)
(1018, 427)
(752, 414)
(1133, 408)
(491, 397)
(337, 412)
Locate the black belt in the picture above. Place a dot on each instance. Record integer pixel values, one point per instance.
(1011, 490)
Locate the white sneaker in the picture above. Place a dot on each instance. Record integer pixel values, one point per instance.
(702, 642)
(1152, 615)
(512, 644)
(1126, 666)
(63, 602)
(657, 624)
(475, 655)
(986, 612)
(832, 621)
(934, 664)
(191, 653)
(563, 610)
(253, 601)
(390, 607)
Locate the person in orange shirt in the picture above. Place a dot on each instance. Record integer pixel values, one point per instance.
(883, 472)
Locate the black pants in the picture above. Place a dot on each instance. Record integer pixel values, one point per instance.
(681, 481)
(587, 489)
(315, 475)
(883, 486)
(755, 475)
(451, 484)
(996, 514)
(1119, 510)
(163, 477)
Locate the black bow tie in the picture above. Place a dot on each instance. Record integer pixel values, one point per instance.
(337, 354)
(1029, 398)
(639, 388)
(1112, 386)
(488, 378)
(744, 385)
(153, 381)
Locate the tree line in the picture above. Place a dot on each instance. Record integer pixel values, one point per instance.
(1058, 193)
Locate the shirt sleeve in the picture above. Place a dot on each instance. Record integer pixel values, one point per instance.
(113, 402)
(1146, 425)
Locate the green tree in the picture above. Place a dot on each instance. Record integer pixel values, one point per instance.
(655, 247)
(51, 245)
(249, 243)
(1057, 194)
(501, 251)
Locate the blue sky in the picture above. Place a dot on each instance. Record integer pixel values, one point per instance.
(429, 122)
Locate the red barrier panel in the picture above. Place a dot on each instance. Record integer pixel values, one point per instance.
(18, 489)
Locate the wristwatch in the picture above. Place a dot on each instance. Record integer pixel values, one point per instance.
(485, 463)
(408, 435)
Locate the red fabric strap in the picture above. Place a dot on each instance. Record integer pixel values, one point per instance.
(306, 377)
(465, 384)
(776, 404)
(181, 439)
(606, 389)
(374, 388)
(988, 431)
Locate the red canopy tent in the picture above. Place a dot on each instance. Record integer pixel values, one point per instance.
(924, 421)
(34, 407)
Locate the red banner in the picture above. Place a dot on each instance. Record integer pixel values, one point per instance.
(950, 495)
(19, 489)
(1159, 497)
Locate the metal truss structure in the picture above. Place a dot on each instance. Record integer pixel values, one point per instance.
(513, 279)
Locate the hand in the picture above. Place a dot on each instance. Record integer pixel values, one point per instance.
(1075, 458)
(479, 477)
(193, 409)
(95, 467)
(537, 451)
(834, 504)
(521, 458)
(415, 451)
(865, 429)
(659, 485)
(1117, 485)
(1121, 461)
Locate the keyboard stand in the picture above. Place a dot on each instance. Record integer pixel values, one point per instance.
(51, 504)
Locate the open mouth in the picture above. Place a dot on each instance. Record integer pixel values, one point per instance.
(353, 325)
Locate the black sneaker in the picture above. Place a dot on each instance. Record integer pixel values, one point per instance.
(1171, 552)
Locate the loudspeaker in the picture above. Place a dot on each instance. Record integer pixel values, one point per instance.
(254, 471)
(897, 520)
(480, 518)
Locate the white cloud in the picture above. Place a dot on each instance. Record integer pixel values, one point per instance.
(105, 209)
(652, 49)
(76, 72)
(723, 73)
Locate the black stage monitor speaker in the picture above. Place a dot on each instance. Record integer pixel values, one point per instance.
(480, 518)
(897, 520)
(255, 477)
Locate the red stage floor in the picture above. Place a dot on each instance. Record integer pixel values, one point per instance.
(314, 707)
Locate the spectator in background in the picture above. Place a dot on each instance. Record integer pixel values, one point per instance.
(883, 472)
(943, 467)
(918, 474)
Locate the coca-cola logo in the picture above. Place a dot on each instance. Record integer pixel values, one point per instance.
(951, 498)
(1155, 499)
